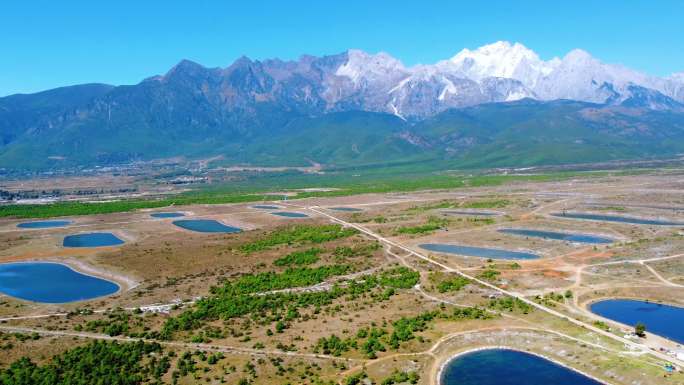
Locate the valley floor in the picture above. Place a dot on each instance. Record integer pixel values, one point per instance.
(349, 291)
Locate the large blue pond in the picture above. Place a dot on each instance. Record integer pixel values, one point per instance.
(289, 214)
(617, 218)
(205, 226)
(508, 367)
(266, 207)
(569, 237)
(51, 283)
(347, 209)
(167, 215)
(43, 224)
(91, 240)
(663, 320)
(472, 251)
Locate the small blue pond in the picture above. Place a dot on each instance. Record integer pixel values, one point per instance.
(167, 215)
(473, 213)
(663, 320)
(617, 218)
(51, 283)
(289, 214)
(471, 251)
(508, 367)
(569, 237)
(347, 209)
(205, 226)
(43, 224)
(266, 207)
(91, 240)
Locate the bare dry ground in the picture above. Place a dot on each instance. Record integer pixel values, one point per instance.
(163, 264)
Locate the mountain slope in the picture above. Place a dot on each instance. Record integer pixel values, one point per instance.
(528, 133)
(497, 104)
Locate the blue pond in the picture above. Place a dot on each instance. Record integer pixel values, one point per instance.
(471, 251)
(617, 218)
(569, 237)
(289, 214)
(205, 226)
(663, 320)
(51, 283)
(91, 240)
(167, 215)
(508, 367)
(43, 224)
(473, 213)
(348, 209)
(266, 207)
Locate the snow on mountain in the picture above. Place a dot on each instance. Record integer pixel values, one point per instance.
(499, 72)
(676, 86)
(363, 67)
(378, 82)
(579, 76)
(426, 92)
(503, 60)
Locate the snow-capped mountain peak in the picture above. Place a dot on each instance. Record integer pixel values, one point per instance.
(496, 72)
(579, 56)
(362, 66)
(503, 60)
(677, 76)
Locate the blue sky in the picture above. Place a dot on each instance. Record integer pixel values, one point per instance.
(47, 44)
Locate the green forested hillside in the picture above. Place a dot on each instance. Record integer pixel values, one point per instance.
(522, 133)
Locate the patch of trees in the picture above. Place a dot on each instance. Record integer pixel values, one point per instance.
(404, 328)
(300, 234)
(640, 329)
(434, 206)
(116, 323)
(188, 364)
(306, 257)
(99, 362)
(489, 274)
(550, 299)
(292, 277)
(334, 345)
(356, 378)
(463, 313)
(240, 298)
(411, 377)
(372, 340)
(399, 278)
(433, 224)
(601, 325)
(6, 343)
(452, 284)
(487, 204)
(478, 221)
(510, 304)
(59, 209)
(362, 250)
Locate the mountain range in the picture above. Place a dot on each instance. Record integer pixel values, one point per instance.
(498, 105)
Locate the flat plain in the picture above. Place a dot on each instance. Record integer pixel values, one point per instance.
(341, 295)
